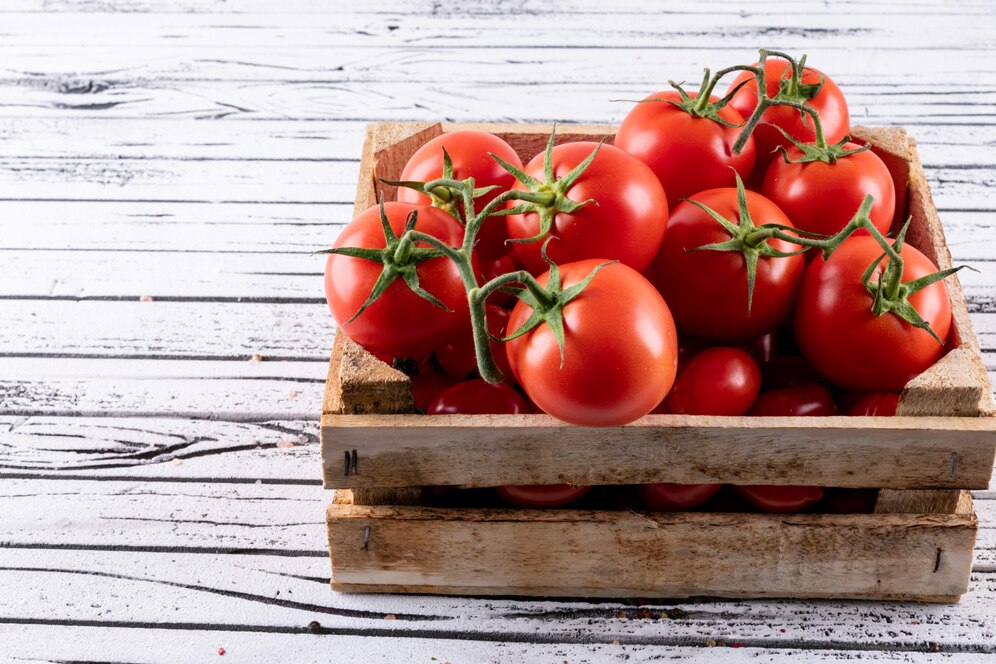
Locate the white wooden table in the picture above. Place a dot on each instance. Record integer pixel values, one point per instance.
(165, 168)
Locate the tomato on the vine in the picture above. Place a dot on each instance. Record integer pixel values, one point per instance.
(717, 381)
(468, 151)
(543, 495)
(457, 357)
(620, 347)
(676, 497)
(829, 102)
(688, 152)
(625, 220)
(822, 197)
(478, 397)
(707, 290)
(846, 342)
(385, 326)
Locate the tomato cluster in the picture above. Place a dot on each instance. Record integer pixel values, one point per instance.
(601, 282)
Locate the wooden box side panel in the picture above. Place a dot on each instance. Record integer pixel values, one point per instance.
(625, 554)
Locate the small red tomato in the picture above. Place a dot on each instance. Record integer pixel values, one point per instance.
(478, 397)
(717, 381)
(714, 304)
(427, 385)
(626, 222)
(385, 327)
(829, 103)
(457, 358)
(548, 495)
(469, 152)
(687, 153)
(804, 400)
(676, 497)
(880, 404)
(821, 197)
(846, 342)
(780, 499)
(620, 348)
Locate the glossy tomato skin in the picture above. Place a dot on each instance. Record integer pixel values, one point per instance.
(478, 397)
(458, 358)
(676, 497)
(469, 151)
(718, 381)
(804, 400)
(385, 327)
(880, 404)
(822, 198)
(620, 350)
(850, 346)
(688, 154)
(780, 499)
(548, 495)
(627, 224)
(829, 103)
(707, 290)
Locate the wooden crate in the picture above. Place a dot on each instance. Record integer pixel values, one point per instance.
(917, 544)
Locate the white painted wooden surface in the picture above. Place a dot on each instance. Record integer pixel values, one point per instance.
(160, 495)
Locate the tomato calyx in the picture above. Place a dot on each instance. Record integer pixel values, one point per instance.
(445, 193)
(746, 238)
(700, 106)
(399, 258)
(890, 294)
(547, 303)
(546, 198)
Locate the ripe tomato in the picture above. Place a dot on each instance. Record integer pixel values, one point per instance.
(780, 499)
(707, 290)
(457, 358)
(687, 153)
(811, 400)
(717, 381)
(469, 152)
(478, 397)
(847, 343)
(821, 197)
(676, 497)
(625, 223)
(765, 348)
(620, 349)
(881, 404)
(489, 269)
(548, 495)
(829, 103)
(385, 327)
(427, 384)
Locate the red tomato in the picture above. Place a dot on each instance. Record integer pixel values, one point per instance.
(717, 381)
(626, 224)
(805, 400)
(848, 344)
(676, 497)
(687, 153)
(427, 385)
(829, 103)
(548, 495)
(457, 358)
(469, 152)
(881, 404)
(620, 349)
(478, 397)
(780, 498)
(765, 348)
(707, 290)
(821, 197)
(386, 325)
